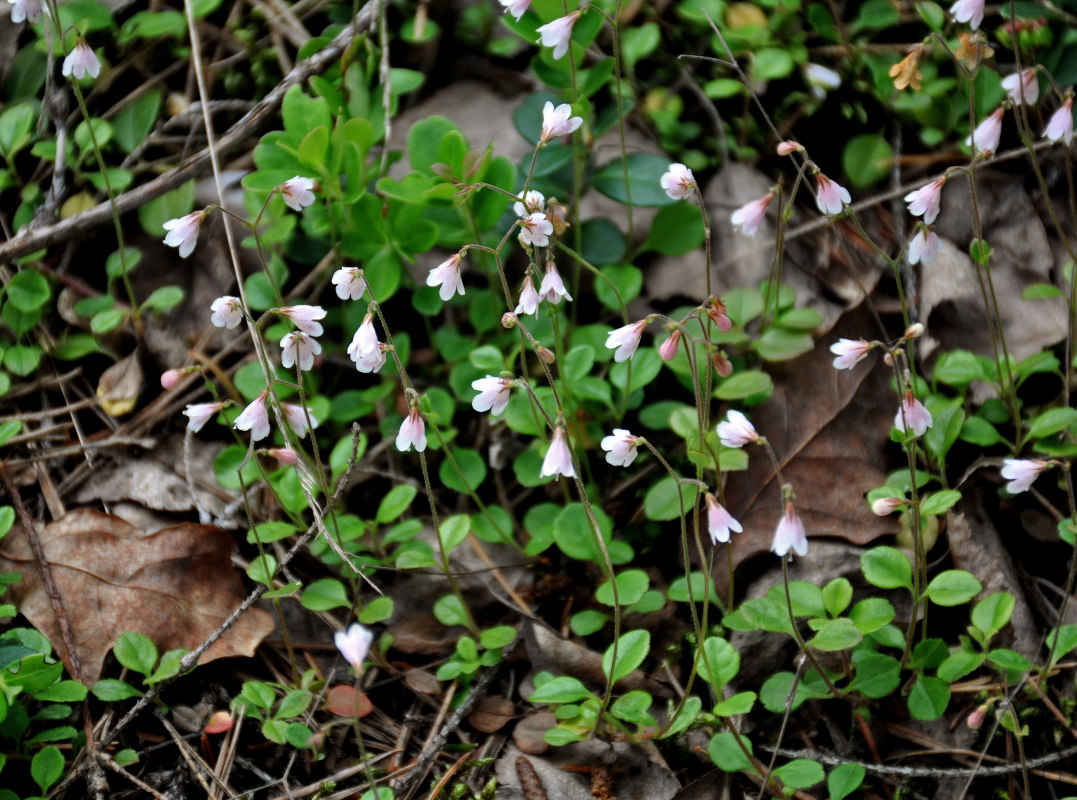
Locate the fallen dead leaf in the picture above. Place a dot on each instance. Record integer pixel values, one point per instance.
(491, 714)
(421, 681)
(120, 385)
(175, 586)
(345, 700)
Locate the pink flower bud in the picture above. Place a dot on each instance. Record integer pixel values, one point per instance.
(171, 377)
(787, 147)
(668, 350)
(285, 455)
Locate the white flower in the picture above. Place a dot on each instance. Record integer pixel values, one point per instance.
(493, 394)
(1060, 127)
(27, 10)
(80, 62)
(412, 433)
(535, 230)
(625, 340)
(227, 312)
(719, 521)
(925, 200)
(886, 505)
(558, 33)
(790, 534)
(255, 418)
(350, 283)
(923, 247)
(533, 201)
(299, 347)
(354, 645)
(830, 197)
(1021, 472)
(1022, 87)
(515, 7)
(557, 122)
(750, 216)
(558, 460)
(912, 413)
(447, 276)
(365, 339)
(305, 318)
(985, 137)
(821, 79)
(371, 361)
(553, 288)
(529, 298)
(297, 192)
(620, 447)
(183, 232)
(970, 11)
(678, 181)
(849, 352)
(297, 418)
(736, 431)
(198, 414)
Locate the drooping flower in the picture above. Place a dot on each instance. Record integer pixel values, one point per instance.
(1060, 126)
(255, 418)
(558, 34)
(621, 447)
(27, 10)
(350, 283)
(80, 62)
(552, 289)
(788, 147)
(557, 213)
(719, 521)
(493, 394)
(668, 349)
(305, 318)
(830, 197)
(299, 348)
(1021, 472)
(412, 433)
(515, 7)
(373, 360)
(533, 201)
(985, 138)
(625, 340)
(849, 353)
(913, 414)
(924, 247)
(198, 414)
(296, 417)
(970, 11)
(529, 298)
(716, 310)
(925, 200)
(558, 460)
(1022, 87)
(735, 430)
(365, 338)
(750, 216)
(790, 534)
(885, 506)
(227, 312)
(447, 276)
(678, 181)
(297, 192)
(535, 230)
(183, 232)
(821, 79)
(556, 122)
(354, 645)
(906, 72)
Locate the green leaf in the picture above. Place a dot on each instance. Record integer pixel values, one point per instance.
(887, 568)
(632, 648)
(313, 148)
(740, 703)
(453, 531)
(395, 502)
(107, 320)
(877, 675)
(584, 623)
(28, 290)
(449, 611)
(136, 652)
(837, 595)
(726, 754)
(628, 280)
(563, 689)
(678, 589)
(845, 779)
(661, 503)
(62, 692)
(377, 610)
(1041, 291)
(992, 613)
(745, 384)
(631, 584)
(1050, 422)
(644, 180)
(688, 715)
(1008, 660)
(262, 569)
(867, 159)
(780, 344)
(837, 634)
(46, 767)
(258, 694)
(677, 229)
(953, 587)
(959, 664)
(939, 502)
(720, 662)
(871, 614)
(324, 595)
(633, 707)
(928, 698)
(134, 121)
(800, 773)
(471, 465)
(293, 704)
(111, 690)
(164, 299)
(1066, 637)
(7, 513)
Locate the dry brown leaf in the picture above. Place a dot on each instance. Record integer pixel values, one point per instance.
(120, 385)
(491, 714)
(829, 428)
(175, 586)
(345, 700)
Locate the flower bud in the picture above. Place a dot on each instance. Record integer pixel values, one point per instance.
(976, 718)
(172, 377)
(722, 365)
(668, 350)
(787, 147)
(284, 455)
(546, 354)
(886, 505)
(508, 320)
(888, 359)
(914, 331)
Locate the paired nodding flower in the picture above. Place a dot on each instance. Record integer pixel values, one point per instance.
(1021, 472)
(790, 534)
(719, 521)
(447, 276)
(913, 415)
(830, 197)
(412, 432)
(558, 34)
(625, 340)
(556, 122)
